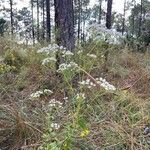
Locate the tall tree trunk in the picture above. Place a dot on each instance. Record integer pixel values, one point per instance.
(133, 18)
(11, 16)
(133, 24)
(33, 34)
(81, 23)
(48, 21)
(140, 19)
(38, 33)
(64, 23)
(79, 20)
(100, 12)
(109, 14)
(83, 30)
(43, 13)
(124, 15)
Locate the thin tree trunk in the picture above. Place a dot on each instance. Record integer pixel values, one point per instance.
(38, 34)
(133, 19)
(133, 25)
(100, 12)
(11, 16)
(43, 13)
(33, 34)
(124, 15)
(48, 21)
(140, 19)
(83, 31)
(81, 23)
(79, 20)
(109, 14)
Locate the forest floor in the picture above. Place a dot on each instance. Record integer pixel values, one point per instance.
(100, 101)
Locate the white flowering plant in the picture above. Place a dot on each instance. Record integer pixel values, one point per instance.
(111, 36)
(39, 93)
(50, 49)
(68, 70)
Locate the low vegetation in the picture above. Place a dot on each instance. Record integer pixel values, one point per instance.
(96, 98)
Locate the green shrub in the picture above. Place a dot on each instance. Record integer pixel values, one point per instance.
(15, 58)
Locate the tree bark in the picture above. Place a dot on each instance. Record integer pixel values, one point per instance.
(38, 24)
(11, 16)
(33, 34)
(124, 15)
(64, 23)
(109, 14)
(140, 19)
(100, 12)
(43, 13)
(48, 21)
(79, 20)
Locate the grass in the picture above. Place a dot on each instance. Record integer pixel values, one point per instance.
(92, 119)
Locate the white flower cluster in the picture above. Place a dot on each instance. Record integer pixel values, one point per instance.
(79, 52)
(109, 35)
(55, 126)
(65, 98)
(106, 85)
(67, 66)
(88, 83)
(92, 56)
(55, 103)
(81, 95)
(102, 82)
(37, 94)
(67, 53)
(48, 60)
(52, 48)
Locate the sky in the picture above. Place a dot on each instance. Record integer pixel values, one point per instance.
(117, 4)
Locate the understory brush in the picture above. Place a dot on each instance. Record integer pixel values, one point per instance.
(95, 99)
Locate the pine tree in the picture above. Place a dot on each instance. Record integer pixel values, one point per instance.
(38, 23)
(43, 18)
(64, 23)
(100, 12)
(140, 19)
(11, 16)
(124, 15)
(109, 14)
(48, 21)
(33, 32)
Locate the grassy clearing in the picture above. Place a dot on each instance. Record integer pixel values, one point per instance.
(75, 116)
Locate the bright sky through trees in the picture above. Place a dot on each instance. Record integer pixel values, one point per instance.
(117, 4)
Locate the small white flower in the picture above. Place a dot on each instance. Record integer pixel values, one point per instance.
(49, 59)
(106, 85)
(65, 66)
(37, 94)
(55, 126)
(92, 55)
(102, 82)
(47, 91)
(50, 49)
(81, 95)
(62, 48)
(67, 53)
(65, 98)
(55, 103)
(79, 52)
